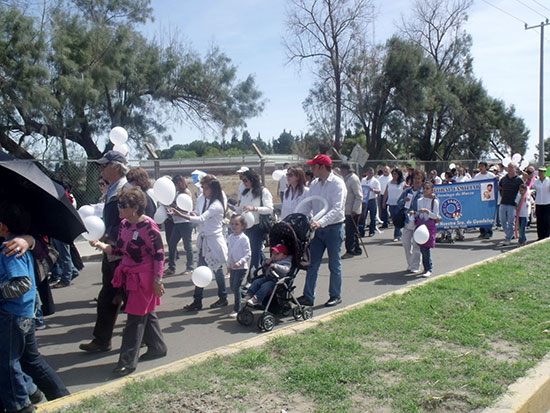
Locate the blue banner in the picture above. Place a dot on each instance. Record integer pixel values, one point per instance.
(467, 204)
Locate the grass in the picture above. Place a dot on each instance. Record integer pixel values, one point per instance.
(453, 345)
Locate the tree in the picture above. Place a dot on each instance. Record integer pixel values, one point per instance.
(327, 31)
(87, 69)
(284, 143)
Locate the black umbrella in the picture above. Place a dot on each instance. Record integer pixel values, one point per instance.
(52, 212)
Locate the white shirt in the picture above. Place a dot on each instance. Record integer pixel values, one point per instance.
(542, 196)
(426, 203)
(384, 180)
(238, 251)
(462, 178)
(283, 183)
(480, 177)
(249, 200)
(394, 192)
(525, 208)
(242, 187)
(334, 191)
(210, 221)
(368, 186)
(438, 180)
(290, 203)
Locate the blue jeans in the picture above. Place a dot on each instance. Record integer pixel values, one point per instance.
(369, 207)
(426, 258)
(20, 358)
(220, 280)
(261, 287)
(183, 231)
(256, 238)
(63, 270)
(508, 218)
(394, 209)
(522, 225)
(235, 281)
(329, 238)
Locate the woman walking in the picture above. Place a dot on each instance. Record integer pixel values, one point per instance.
(391, 196)
(296, 190)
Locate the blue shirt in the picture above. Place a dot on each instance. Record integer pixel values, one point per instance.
(10, 268)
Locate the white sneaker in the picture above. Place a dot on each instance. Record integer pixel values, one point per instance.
(427, 274)
(396, 240)
(412, 273)
(233, 314)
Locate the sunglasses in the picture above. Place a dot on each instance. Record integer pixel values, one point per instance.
(122, 205)
(102, 183)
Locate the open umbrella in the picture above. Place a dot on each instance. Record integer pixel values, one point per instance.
(52, 212)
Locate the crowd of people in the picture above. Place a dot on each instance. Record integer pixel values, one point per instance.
(134, 261)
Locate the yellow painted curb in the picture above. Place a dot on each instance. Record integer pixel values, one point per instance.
(262, 339)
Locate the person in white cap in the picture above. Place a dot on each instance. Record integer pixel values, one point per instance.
(242, 187)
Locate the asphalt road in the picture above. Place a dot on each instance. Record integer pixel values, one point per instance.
(191, 333)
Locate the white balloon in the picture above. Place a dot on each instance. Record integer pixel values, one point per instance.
(95, 227)
(506, 161)
(516, 158)
(278, 174)
(122, 148)
(118, 135)
(452, 166)
(184, 202)
(524, 164)
(249, 218)
(421, 234)
(160, 215)
(202, 276)
(165, 190)
(86, 211)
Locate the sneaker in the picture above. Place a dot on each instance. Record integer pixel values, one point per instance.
(169, 271)
(222, 302)
(333, 301)
(253, 301)
(412, 273)
(188, 271)
(396, 240)
(347, 255)
(233, 314)
(427, 274)
(505, 243)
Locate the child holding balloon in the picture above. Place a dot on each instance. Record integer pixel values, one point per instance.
(238, 256)
(427, 214)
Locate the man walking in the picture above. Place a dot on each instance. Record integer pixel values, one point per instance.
(352, 210)
(371, 189)
(509, 187)
(542, 204)
(384, 179)
(329, 230)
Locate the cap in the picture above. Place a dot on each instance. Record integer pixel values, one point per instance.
(542, 168)
(280, 248)
(112, 156)
(242, 169)
(320, 160)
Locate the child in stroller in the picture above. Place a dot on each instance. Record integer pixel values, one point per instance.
(275, 267)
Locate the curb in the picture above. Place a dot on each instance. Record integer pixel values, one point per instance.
(529, 394)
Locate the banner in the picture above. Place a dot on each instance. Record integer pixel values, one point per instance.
(467, 204)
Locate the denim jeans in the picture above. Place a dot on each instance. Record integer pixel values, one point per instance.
(394, 209)
(220, 280)
(235, 281)
(426, 258)
(63, 270)
(256, 238)
(261, 287)
(522, 225)
(508, 218)
(184, 231)
(370, 208)
(19, 356)
(329, 238)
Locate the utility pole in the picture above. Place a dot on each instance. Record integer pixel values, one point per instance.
(541, 90)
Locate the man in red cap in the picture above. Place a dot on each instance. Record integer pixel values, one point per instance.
(329, 229)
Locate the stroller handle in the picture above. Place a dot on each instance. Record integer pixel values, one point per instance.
(319, 214)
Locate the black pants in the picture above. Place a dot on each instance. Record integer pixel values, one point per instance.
(543, 221)
(352, 238)
(107, 311)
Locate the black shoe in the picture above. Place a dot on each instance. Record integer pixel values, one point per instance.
(194, 306)
(333, 301)
(123, 371)
(93, 347)
(151, 356)
(347, 255)
(27, 409)
(36, 397)
(303, 300)
(222, 302)
(356, 253)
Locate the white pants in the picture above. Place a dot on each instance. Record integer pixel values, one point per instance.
(412, 250)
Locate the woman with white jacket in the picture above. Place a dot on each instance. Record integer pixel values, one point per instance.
(211, 244)
(259, 201)
(296, 190)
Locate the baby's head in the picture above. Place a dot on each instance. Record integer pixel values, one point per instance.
(279, 252)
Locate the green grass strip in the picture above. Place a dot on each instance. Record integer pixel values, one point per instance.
(453, 345)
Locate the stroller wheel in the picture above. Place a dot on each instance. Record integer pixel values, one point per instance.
(266, 322)
(297, 313)
(307, 313)
(245, 317)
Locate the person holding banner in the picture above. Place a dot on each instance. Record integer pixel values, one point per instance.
(409, 202)
(485, 232)
(509, 187)
(542, 204)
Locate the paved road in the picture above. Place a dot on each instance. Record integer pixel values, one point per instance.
(191, 333)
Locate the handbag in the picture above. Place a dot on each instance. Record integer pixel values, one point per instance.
(266, 221)
(43, 266)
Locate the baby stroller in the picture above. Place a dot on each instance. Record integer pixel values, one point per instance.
(295, 233)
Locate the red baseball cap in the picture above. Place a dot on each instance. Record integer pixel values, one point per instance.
(280, 248)
(320, 160)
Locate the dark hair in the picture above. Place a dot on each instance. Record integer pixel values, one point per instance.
(241, 220)
(15, 217)
(299, 172)
(418, 172)
(345, 166)
(255, 181)
(427, 184)
(522, 186)
(181, 180)
(216, 188)
(310, 175)
(484, 163)
(399, 173)
(140, 177)
(134, 198)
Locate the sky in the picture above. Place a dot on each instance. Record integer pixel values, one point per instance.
(250, 32)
